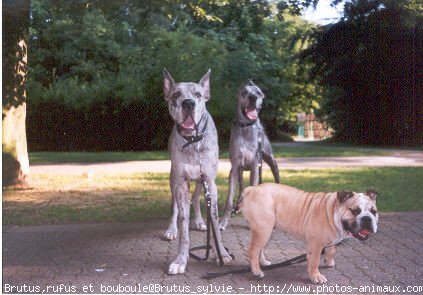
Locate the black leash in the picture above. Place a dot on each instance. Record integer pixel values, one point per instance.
(210, 225)
(298, 259)
(207, 196)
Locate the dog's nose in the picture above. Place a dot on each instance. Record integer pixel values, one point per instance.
(366, 222)
(188, 104)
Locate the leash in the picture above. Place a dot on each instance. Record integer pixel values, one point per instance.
(298, 259)
(207, 197)
(260, 156)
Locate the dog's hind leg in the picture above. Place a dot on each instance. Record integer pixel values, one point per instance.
(229, 200)
(199, 223)
(260, 235)
(270, 160)
(254, 175)
(172, 231)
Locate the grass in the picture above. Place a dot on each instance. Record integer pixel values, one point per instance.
(306, 150)
(57, 199)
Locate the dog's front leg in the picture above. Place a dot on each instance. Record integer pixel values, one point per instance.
(329, 256)
(313, 260)
(214, 219)
(229, 200)
(181, 193)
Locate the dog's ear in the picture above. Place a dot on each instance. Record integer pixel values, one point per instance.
(372, 194)
(251, 83)
(344, 195)
(205, 83)
(168, 83)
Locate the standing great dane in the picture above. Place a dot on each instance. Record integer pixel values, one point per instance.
(248, 144)
(194, 154)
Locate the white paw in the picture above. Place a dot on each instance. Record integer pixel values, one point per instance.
(226, 259)
(318, 279)
(265, 262)
(223, 224)
(171, 233)
(200, 225)
(177, 268)
(330, 263)
(258, 274)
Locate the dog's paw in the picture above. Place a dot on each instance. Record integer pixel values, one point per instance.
(258, 274)
(264, 262)
(177, 268)
(200, 225)
(223, 224)
(171, 234)
(318, 278)
(226, 259)
(330, 263)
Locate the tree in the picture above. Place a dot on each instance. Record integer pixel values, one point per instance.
(372, 61)
(15, 40)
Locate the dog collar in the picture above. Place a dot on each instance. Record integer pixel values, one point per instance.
(198, 135)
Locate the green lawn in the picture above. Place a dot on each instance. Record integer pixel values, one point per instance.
(55, 199)
(308, 150)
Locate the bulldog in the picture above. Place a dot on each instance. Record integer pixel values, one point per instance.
(320, 219)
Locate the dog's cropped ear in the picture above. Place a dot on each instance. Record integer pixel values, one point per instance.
(344, 195)
(372, 194)
(251, 83)
(168, 83)
(205, 83)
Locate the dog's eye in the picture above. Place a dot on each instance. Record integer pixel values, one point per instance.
(373, 211)
(176, 95)
(197, 94)
(355, 211)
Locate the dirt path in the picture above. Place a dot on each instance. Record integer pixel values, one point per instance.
(408, 159)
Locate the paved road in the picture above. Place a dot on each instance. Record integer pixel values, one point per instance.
(131, 257)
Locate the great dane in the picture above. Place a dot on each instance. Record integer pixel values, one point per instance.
(248, 143)
(194, 154)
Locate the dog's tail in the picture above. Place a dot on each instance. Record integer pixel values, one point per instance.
(238, 205)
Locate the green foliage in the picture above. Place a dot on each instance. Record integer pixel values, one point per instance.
(95, 79)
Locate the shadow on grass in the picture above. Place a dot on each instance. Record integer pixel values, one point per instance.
(136, 197)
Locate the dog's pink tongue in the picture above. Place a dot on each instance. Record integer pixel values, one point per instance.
(251, 114)
(362, 235)
(188, 123)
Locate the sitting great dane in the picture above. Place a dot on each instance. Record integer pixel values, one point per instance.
(194, 154)
(247, 138)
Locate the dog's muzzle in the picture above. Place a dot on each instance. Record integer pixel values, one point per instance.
(360, 230)
(188, 106)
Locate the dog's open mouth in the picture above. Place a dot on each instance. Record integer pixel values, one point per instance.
(251, 113)
(362, 235)
(188, 123)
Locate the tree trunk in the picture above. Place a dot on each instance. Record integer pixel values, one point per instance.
(15, 40)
